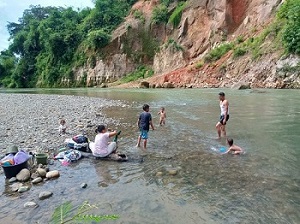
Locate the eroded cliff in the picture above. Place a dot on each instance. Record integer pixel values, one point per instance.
(179, 55)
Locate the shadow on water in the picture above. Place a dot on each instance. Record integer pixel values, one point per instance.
(181, 179)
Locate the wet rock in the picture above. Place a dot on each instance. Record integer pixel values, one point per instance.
(144, 84)
(12, 180)
(23, 189)
(51, 162)
(15, 186)
(30, 204)
(83, 185)
(23, 175)
(241, 85)
(41, 172)
(52, 174)
(45, 194)
(37, 180)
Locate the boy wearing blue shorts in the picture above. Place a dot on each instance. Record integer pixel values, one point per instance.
(144, 122)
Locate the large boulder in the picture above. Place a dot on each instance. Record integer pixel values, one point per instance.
(144, 84)
(241, 85)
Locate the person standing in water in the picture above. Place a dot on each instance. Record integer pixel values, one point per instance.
(162, 116)
(224, 106)
(144, 122)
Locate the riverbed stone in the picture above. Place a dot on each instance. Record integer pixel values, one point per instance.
(172, 172)
(12, 180)
(34, 175)
(30, 204)
(159, 174)
(45, 194)
(37, 180)
(15, 186)
(23, 175)
(41, 172)
(83, 185)
(52, 174)
(23, 189)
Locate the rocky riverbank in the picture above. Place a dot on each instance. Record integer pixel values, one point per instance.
(31, 121)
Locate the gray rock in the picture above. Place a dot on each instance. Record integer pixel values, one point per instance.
(241, 85)
(41, 172)
(12, 180)
(37, 180)
(23, 175)
(30, 204)
(23, 189)
(45, 194)
(83, 185)
(15, 186)
(158, 174)
(34, 175)
(168, 85)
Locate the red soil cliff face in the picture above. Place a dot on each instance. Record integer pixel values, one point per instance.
(235, 13)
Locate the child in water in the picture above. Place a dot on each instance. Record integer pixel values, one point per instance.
(62, 127)
(234, 149)
(163, 116)
(144, 122)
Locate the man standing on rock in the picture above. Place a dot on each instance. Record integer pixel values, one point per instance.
(224, 106)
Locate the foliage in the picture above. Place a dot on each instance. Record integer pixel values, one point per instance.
(140, 72)
(175, 17)
(174, 45)
(139, 15)
(199, 64)
(47, 42)
(159, 14)
(239, 51)
(67, 213)
(290, 13)
(218, 52)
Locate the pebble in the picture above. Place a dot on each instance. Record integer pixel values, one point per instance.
(45, 194)
(23, 189)
(30, 204)
(172, 172)
(83, 185)
(37, 180)
(23, 175)
(12, 180)
(41, 172)
(52, 174)
(158, 174)
(15, 186)
(34, 175)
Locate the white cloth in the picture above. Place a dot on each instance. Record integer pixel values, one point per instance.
(110, 148)
(62, 128)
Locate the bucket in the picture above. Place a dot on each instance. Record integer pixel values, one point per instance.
(12, 171)
(41, 158)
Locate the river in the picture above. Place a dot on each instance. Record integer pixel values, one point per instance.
(261, 186)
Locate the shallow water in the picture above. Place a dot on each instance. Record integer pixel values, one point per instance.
(261, 186)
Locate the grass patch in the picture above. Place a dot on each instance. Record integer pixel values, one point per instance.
(141, 72)
(174, 45)
(216, 53)
(239, 51)
(175, 17)
(199, 64)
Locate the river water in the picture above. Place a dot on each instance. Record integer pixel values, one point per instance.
(261, 186)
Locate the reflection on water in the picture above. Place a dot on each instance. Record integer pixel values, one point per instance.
(261, 186)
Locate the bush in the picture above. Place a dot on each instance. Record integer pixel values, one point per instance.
(98, 39)
(159, 14)
(174, 45)
(290, 13)
(239, 51)
(140, 72)
(218, 52)
(199, 64)
(175, 18)
(139, 15)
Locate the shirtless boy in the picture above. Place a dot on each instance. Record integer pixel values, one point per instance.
(234, 149)
(163, 116)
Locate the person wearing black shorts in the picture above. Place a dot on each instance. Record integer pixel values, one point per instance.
(224, 106)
